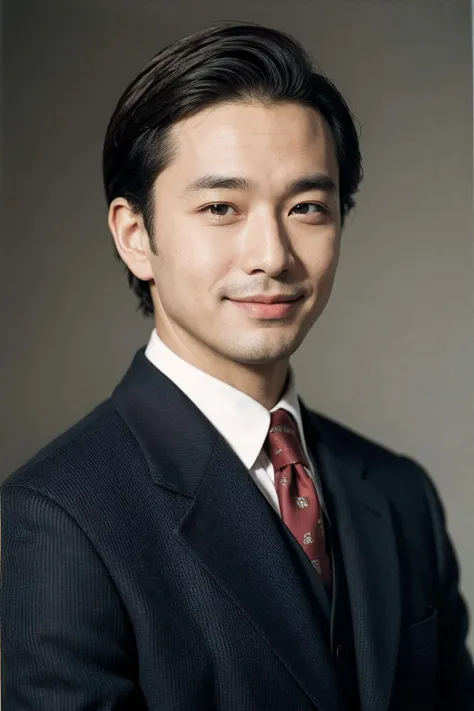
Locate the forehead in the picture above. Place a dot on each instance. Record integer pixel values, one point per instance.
(270, 143)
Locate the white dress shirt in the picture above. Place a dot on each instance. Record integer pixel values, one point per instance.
(242, 421)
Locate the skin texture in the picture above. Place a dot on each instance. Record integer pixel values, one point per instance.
(218, 245)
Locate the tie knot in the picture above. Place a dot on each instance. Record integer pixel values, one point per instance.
(283, 441)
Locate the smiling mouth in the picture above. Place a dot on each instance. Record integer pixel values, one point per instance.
(268, 309)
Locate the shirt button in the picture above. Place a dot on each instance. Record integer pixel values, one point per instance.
(340, 654)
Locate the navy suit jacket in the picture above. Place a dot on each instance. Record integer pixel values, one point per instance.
(143, 569)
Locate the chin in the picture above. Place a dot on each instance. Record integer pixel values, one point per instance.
(262, 351)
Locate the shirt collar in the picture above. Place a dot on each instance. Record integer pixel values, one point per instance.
(290, 402)
(242, 421)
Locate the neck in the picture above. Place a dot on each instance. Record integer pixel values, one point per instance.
(264, 382)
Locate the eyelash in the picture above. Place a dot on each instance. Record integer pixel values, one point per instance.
(321, 208)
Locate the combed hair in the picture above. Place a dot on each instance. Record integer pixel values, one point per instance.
(220, 63)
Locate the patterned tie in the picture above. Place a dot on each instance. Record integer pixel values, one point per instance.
(299, 502)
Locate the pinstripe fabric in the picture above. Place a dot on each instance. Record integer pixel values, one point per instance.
(142, 569)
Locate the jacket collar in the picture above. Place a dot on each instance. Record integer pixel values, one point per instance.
(242, 421)
(236, 536)
(174, 436)
(364, 524)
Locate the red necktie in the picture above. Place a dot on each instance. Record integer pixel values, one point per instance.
(299, 502)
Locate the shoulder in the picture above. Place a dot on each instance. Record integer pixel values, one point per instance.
(392, 473)
(351, 443)
(80, 458)
(400, 480)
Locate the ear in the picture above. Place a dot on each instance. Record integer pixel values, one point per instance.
(131, 238)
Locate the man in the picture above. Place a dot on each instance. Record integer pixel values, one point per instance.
(202, 540)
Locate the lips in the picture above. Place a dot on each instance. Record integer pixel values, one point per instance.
(265, 299)
(267, 307)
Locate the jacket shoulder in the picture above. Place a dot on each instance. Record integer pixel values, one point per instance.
(79, 455)
(393, 474)
(351, 441)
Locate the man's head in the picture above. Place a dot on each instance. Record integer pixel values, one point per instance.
(229, 167)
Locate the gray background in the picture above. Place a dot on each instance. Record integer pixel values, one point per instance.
(392, 356)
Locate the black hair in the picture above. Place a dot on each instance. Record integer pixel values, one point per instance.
(220, 63)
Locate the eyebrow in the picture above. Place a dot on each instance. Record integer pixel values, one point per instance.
(210, 181)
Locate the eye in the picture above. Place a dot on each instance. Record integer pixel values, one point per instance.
(319, 208)
(218, 209)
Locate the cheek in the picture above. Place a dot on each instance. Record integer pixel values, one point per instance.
(321, 258)
(210, 255)
(332, 256)
(195, 267)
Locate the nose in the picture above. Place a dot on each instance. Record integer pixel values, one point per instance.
(266, 247)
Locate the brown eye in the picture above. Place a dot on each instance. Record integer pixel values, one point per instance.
(218, 209)
(303, 205)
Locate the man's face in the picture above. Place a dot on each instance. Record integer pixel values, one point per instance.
(256, 235)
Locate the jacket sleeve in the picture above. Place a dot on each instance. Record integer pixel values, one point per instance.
(66, 640)
(455, 670)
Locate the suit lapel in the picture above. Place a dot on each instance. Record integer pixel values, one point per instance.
(229, 528)
(237, 537)
(365, 531)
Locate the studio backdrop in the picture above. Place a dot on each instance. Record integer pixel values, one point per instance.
(392, 356)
